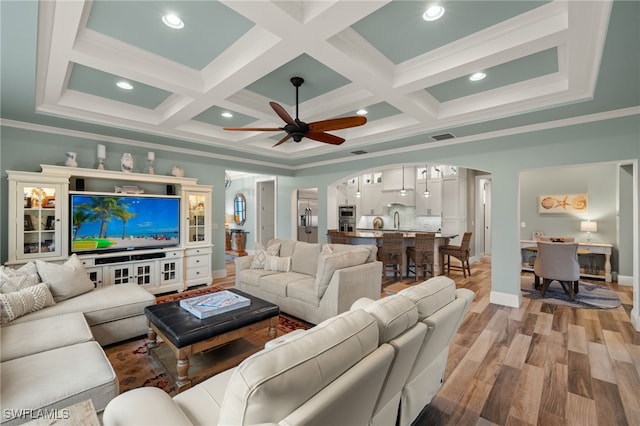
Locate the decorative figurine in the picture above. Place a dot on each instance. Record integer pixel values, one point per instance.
(177, 171)
(102, 154)
(151, 156)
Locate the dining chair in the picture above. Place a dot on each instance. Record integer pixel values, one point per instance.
(391, 253)
(460, 252)
(557, 262)
(420, 256)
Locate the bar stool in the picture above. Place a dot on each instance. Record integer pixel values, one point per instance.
(460, 252)
(391, 253)
(421, 254)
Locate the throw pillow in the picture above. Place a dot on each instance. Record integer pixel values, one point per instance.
(18, 303)
(329, 263)
(261, 253)
(16, 279)
(275, 263)
(327, 249)
(67, 280)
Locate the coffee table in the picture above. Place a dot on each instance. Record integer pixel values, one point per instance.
(185, 334)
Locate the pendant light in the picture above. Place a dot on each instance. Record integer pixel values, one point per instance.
(403, 191)
(426, 192)
(358, 193)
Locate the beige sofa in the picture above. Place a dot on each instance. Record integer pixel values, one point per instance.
(357, 368)
(312, 281)
(50, 353)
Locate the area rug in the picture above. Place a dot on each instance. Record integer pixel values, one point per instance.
(592, 296)
(135, 368)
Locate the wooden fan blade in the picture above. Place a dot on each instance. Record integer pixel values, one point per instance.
(324, 137)
(337, 123)
(283, 140)
(282, 113)
(255, 129)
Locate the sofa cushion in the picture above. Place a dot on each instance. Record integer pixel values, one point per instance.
(17, 279)
(286, 246)
(305, 258)
(304, 290)
(277, 263)
(67, 280)
(261, 255)
(329, 263)
(431, 295)
(59, 378)
(373, 249)
(18, 303)
(395, 314)
(103, 304)
(252, 276)
(277, 283)
(292, 372)
(55, 332)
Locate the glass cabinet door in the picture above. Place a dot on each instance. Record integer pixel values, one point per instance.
(39, 234)
(197, 228)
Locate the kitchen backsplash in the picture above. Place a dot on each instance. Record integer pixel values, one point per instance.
(408, 220)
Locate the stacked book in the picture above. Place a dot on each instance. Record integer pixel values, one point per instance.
(214, 304)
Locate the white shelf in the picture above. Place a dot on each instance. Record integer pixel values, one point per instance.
(115, 175)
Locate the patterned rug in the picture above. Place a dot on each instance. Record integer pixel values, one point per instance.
(135, 368)
(592, 296)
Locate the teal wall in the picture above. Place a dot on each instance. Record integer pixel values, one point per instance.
(504, 157)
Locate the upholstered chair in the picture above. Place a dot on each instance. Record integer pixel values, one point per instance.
(557, 262)
(460, 252)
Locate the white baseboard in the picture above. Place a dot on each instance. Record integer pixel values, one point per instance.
(219, 273)
(506, 299)
(625, 280)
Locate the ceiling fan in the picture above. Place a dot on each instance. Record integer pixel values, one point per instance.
(298, 129)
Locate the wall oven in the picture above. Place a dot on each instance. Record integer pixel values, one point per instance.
(347, 218)
(347, 226)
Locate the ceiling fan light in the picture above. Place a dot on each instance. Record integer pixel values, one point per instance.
(173, 21)
(433, 13)
(477, 76)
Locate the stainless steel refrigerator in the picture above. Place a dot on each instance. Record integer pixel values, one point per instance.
(308, 215)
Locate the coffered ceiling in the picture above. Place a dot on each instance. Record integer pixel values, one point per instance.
(543, 61)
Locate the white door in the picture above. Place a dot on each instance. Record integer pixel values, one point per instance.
(487, 216)
(266, 211)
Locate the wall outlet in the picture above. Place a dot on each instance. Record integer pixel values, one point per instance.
(523, 224)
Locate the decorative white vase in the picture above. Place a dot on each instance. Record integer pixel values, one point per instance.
(71, 159)
(177, 171)
(126, 162)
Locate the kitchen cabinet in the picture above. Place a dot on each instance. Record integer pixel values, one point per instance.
(392, 179)
(372, 199)
(454, 197)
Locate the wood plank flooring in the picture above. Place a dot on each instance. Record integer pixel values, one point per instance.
(540, 364)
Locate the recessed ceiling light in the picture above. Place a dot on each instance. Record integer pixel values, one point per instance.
(227, 114)
(124, 85)
(362, 112)
(433, 12)
(173, 21)
(477, 76)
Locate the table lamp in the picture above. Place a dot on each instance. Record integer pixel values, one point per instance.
(588, 227)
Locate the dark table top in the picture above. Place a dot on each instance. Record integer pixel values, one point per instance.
(183, 328)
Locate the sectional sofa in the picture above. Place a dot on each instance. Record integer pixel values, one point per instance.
(311, 281)
(379, 363)
(53, 325)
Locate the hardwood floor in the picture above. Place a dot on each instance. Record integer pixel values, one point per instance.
(540, 364)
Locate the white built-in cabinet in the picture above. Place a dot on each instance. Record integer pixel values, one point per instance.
(432, 205)
(454, 203)
(39, 227)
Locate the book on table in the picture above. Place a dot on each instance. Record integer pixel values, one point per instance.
(217, 303)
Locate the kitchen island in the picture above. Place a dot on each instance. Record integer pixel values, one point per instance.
(375, 237)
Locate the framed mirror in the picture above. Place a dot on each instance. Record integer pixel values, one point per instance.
(239, 209)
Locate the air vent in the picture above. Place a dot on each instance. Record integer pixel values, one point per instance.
(442, 137)
(359, 152)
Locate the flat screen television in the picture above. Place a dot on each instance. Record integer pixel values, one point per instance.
(114, 222)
